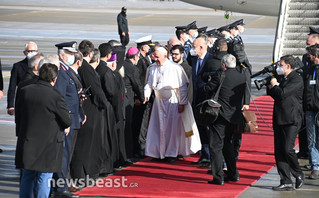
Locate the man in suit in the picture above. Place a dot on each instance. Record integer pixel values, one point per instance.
(33, 66)
(233, 101)
(18, 72)
(199, 62)
(67, 87)
(123, 27)
(40, 141)
(214, 64)
(287, 118)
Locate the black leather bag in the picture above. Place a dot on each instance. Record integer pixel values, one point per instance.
(206, 112)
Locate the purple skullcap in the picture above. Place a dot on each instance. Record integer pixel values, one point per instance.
(132, 51)
(113, 57)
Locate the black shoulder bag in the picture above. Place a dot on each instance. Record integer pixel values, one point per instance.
(207, 111)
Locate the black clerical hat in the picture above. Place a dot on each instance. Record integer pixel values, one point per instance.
(70, 46)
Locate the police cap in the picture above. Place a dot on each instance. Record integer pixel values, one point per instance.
(214, 33)
(184, 28)
(69, 46)
(313, 30)
(146, 40)
(192, 26)
(223, 28)
(202, 30)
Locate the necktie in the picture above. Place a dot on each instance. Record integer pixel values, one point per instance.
(199, 61)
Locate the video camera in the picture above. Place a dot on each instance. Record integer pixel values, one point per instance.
(272, 70)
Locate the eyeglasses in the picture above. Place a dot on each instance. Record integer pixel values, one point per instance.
(176, 54)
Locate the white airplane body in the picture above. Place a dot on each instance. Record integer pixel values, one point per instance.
(259, 7)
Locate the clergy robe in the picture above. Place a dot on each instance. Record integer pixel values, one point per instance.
(166, 131)
(88, 155)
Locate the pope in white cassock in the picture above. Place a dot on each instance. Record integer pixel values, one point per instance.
(172, 130)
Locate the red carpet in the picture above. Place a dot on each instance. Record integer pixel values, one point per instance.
(182, 179)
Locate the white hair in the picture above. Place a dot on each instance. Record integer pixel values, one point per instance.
(162, 50)
(229, 61)
(53, 59)
(31, 42)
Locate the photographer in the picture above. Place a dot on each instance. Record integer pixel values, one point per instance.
(287, 118)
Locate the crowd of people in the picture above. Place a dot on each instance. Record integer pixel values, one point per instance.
(91, 109)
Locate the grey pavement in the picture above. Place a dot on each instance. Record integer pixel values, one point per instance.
(51, 22)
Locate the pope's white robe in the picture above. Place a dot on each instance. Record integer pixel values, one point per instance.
(166, 131)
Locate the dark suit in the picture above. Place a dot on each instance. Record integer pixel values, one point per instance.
(133, 87)
(287, 118)
(232, 99)
(18, 72)
(213, 65)
(198, 97)
(41, 120)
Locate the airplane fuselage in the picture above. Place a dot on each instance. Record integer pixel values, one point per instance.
(259, 7)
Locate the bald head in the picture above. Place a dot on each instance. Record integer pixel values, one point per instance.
(312, 39)
(200, 45)
(172, 41)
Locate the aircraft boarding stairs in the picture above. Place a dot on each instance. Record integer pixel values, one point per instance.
(295, 17)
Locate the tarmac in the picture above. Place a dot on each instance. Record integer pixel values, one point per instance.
(51, 22)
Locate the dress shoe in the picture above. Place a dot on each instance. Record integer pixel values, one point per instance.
(307, 167)
(314, 174)
(216, 182)
(180, 157)
(170, 159)
(283, 187)
(209, 172)
(300, 180)
(302, 155)
(201, 161)
(234, 178)
(206, 165)
(65, 194)
(156, 160)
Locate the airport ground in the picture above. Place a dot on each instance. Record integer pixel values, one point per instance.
(51, 22)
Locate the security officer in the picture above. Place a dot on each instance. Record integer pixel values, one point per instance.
(183, 36)
(236, 46)
(213, 35)
(123, 27)
(66, 85)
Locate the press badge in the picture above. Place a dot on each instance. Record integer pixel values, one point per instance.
(312, 82)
